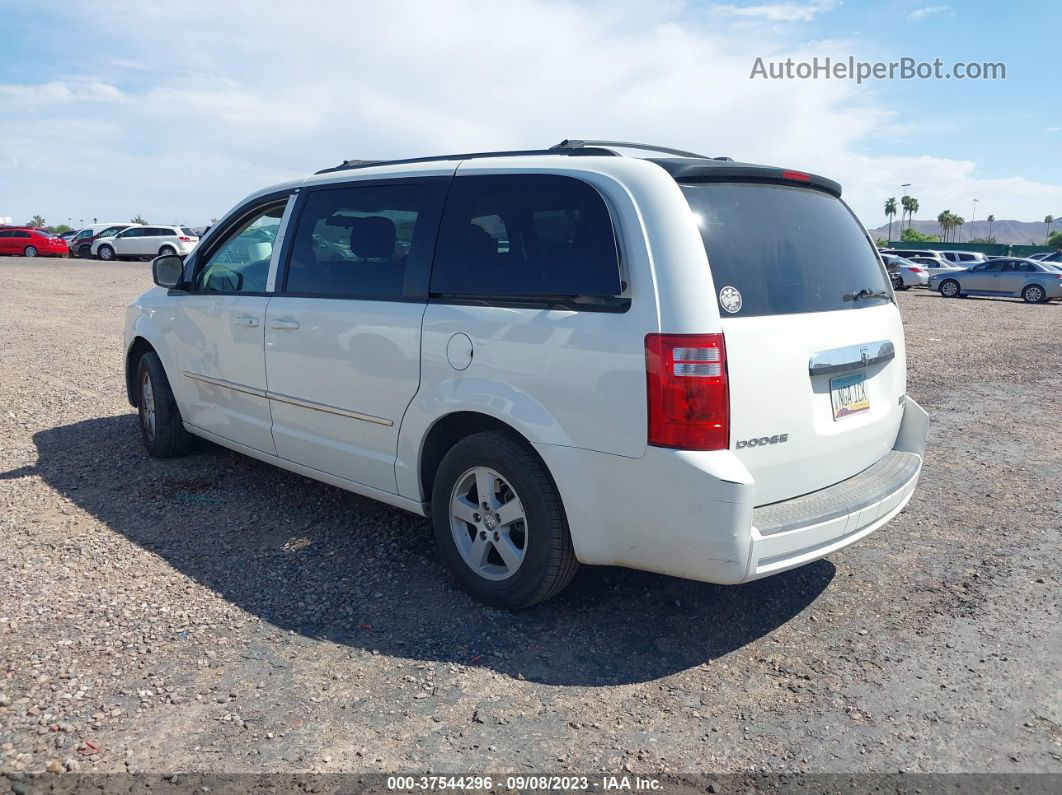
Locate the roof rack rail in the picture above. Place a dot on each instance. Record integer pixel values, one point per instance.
(585, 151)
(569, 143)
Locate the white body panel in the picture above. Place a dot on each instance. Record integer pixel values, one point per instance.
(350, 394)
(771, 392)
(216, 343)
(340, 382)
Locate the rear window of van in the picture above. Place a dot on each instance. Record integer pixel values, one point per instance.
(783, 249)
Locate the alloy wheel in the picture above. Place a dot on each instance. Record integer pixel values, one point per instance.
(488, 523)
(147, 404)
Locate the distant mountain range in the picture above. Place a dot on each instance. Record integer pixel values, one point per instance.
(1017, 232)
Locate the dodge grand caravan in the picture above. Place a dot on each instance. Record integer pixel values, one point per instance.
(662, 361)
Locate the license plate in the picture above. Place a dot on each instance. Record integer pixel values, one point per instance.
(849, 395)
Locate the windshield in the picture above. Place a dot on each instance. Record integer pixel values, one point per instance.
(784, 250)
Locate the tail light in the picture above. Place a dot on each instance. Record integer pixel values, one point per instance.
(185, 239)
(688, 391)
(914, 269)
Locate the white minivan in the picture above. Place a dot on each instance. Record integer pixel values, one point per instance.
(665, 361)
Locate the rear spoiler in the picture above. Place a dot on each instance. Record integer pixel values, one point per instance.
(704, 170)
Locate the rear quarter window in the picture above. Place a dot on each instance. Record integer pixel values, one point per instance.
(785, 250)
(526, 238)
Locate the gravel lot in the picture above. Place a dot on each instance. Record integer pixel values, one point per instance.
(216, 614)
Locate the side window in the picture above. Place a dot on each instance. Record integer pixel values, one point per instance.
(7, 234)
(997, 266)
(521, 236)
(133, 231)
(240, 262)
(368, 241)
(20, 233)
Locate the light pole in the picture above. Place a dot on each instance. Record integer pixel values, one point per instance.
(973, 216)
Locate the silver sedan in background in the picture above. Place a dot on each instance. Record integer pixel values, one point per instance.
(903, 273)
(1035, 282)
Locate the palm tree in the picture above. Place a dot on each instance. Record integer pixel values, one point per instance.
(905, 203)
(1048, 220)
(911, 212)
(890, 211)
(36, 222)
(991, 220)
(956, 222)
(944, 219)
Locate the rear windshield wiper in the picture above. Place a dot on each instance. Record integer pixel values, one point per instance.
(866, 293)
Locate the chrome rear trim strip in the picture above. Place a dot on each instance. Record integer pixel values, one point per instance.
(851, 357)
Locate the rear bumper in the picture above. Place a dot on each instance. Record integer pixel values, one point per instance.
(691, 514)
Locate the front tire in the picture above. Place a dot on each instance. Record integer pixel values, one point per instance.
(106, 253)
(161, 427)
(165, 250)
(84, 252)
(499, 522)
(949, 288)
(30, 251)
(1034, 294)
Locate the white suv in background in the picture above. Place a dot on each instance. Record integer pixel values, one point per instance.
(145, 241)
(667, 362)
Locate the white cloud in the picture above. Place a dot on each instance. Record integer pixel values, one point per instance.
(777, 12)
(60, 92)
(927, 11)
(305, 86)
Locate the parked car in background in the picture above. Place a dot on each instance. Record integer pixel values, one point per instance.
(1035, 282)
(68, 237)
(1039, 255)
(145, 241)
(1054, 256)
(934, 266)
(438, 334)
(28, 242)
(963, 259)
(910, 253)
(905, 274)
(81, 246)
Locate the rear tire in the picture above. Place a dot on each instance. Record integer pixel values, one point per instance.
(31, 251)
(1034, 294)
(161, 427)
(539, 540)
(949, 288)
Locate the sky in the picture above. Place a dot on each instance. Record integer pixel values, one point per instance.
(175, 111)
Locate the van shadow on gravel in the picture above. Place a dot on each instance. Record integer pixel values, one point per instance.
(333, 566)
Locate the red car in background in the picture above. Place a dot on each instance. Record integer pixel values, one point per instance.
(27, 242)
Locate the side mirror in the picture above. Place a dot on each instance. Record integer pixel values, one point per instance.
(167, 270)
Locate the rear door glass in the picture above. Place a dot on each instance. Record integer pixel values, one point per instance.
(518, 237)
(784, 249)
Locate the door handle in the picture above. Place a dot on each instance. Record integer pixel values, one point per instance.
(246, 320)
(284, 324)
